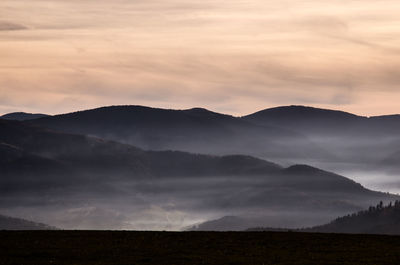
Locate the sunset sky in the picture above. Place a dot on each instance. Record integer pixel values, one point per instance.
(234, 56)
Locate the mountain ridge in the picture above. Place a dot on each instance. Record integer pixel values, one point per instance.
(193, 130)
(70, 170)
(22, 116)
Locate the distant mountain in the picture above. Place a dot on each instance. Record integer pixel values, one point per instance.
(236, 223)
(10, 223)
(308, 120)
(326, 123)
(22, 171)
(391, 162)
(226, 223)
(376, 220)
(111, 184)
(21, 143)
(311, 195)
(355, 141)
(291, 134)
(195, 130)
(22, 116)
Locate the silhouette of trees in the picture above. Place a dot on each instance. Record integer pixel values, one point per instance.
(376, 219)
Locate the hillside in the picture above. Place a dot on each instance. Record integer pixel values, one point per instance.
(289, 134)
(356, 143)
(77, 181)
(194, 130)
(308, 120)
(10, 223)
(316, 121)
(379, 219)
(22, 116)
(391, 163)
(376, 220)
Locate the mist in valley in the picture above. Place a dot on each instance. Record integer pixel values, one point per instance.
(139, 168)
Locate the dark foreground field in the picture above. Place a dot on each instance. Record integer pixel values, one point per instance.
(164, 248)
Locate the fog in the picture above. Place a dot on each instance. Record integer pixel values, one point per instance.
(53, 172)
(367, 161)
(177, 203)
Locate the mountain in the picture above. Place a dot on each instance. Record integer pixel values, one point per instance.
(10, 223)
(376, 220)
(239, 223)
(78, 181)
(356, 143)
(316, 121)
(305, 119)
(310, 195)
(330, 139)
(226, 223)
(22, 116)
(31, 144)
(391, 162)
(194, 130)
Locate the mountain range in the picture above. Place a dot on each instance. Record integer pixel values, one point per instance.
(194, 130)
(369, 142)
(290, 134)
(133, 167)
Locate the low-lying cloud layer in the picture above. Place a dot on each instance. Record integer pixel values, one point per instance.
(233, 57)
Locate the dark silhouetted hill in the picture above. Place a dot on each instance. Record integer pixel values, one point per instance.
(376, 220)
(195, 130)
(358, 141)
(308, 192)
(22, 116)
(306, 119)
(21, 143)
(226, 223)
(286, 134)
(45, 168)
(325, 123)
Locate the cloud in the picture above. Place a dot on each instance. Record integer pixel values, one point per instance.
(240, 57)
(8, 26)
(323, 24)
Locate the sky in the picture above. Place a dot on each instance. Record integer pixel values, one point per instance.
(235, 56)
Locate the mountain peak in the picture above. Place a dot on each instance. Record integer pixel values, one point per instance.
(198, 109)
(293, 111)
(203, 112)
(308, 120)
(302, 168)
(22, 116)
